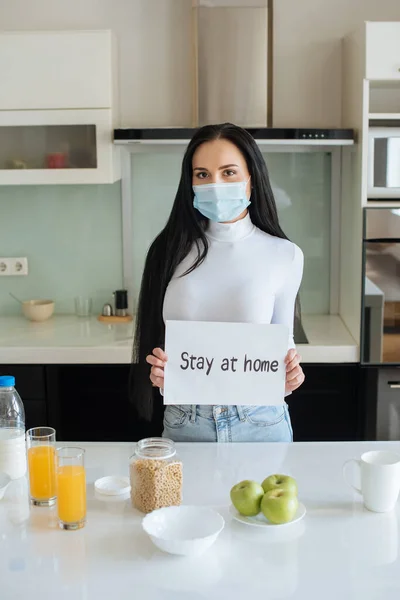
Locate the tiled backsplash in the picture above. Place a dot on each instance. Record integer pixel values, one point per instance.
(302, 185)
(72, 237)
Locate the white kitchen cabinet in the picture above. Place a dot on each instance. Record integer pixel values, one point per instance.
(382, 60)
(57, 147)
(56, 70)
(58, 108)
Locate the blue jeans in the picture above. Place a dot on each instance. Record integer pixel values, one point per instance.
(191, 423)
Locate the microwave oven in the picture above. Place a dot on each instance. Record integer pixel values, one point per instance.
(384, 163)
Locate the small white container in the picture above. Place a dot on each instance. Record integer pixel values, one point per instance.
(38, 310)
(183, 530)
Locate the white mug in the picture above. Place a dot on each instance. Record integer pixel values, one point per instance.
(380, 479)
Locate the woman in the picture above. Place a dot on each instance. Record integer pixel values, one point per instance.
(222, 256)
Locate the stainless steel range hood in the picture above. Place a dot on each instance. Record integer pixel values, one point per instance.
(263, 136)
(232, 79)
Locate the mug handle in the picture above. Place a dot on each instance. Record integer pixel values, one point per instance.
(358, 462)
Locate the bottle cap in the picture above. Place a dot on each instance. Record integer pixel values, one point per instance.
(7, 381)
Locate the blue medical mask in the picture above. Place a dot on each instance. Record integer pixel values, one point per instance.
(221, 201)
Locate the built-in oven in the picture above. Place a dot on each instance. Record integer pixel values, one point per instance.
(380, 343)
(380, 331)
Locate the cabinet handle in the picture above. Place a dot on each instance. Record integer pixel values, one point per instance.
(394, 385)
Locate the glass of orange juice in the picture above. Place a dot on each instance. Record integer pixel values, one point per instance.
(71, 487)
(42, 465)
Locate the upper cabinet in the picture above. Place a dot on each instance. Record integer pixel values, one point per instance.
(58, 108)
(56, 70)
(382, 51)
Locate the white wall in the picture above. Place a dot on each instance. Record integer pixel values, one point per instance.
(307, 55)
(307, 63)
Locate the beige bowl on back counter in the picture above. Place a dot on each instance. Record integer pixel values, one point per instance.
(38, 310)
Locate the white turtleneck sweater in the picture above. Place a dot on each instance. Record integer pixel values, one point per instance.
(248, 276)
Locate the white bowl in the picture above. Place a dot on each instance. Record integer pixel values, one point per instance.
(38, 310)
(183, 530)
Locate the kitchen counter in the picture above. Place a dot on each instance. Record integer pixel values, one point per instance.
(74, 340)
(339, 550)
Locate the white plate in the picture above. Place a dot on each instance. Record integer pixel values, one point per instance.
(261, 521)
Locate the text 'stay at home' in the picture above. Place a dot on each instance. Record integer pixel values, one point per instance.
(246, 365)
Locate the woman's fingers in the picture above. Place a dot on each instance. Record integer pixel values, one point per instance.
(293, 361)
(290, 355)
(157, 381)
(156, 362)
(157, 372)
(295, 383)
(290, 375)
(159, 353)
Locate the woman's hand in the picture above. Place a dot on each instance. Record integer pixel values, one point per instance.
(157, 360)
(294, 372)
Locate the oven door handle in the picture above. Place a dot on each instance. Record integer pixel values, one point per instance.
(394, 385)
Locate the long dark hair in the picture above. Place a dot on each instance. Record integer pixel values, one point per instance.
(186, 227)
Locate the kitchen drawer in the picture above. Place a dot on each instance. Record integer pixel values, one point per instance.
(383, 51)
(388, 404)
(29, 380)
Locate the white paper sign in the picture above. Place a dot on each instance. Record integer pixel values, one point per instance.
(225, 363)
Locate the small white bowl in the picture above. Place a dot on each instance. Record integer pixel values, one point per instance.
(183, 530)
(38, 310)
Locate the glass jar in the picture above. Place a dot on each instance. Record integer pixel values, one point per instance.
(155, 474)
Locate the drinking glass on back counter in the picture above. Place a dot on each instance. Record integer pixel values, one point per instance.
(41, 465)
(71, 487)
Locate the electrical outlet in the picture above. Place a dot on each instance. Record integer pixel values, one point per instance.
(14, 266)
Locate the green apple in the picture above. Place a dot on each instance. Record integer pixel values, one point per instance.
(279, 506)
(246, 497)
(280, 482)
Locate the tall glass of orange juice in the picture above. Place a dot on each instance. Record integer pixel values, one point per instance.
(71, 487)
(42, 465)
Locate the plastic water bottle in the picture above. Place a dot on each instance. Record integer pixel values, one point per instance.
(12, 430)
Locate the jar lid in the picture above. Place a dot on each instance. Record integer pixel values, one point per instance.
(113, 485)
(155, 448)
(7, 381)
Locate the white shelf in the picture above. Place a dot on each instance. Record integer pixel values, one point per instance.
(384, 116)
(382, 204)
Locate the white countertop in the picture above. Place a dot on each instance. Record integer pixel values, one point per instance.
(74, 340)
(339, 550)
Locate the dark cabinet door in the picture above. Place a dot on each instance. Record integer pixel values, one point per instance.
(31, 386)
(35, 413)
(327, 406)
(91, 403)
